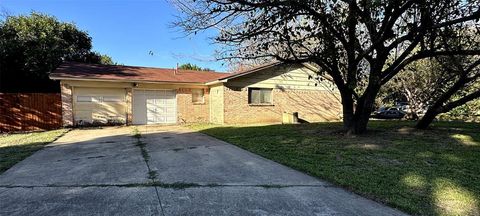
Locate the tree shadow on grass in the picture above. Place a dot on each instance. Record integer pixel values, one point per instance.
(16, 147)
(10, 155)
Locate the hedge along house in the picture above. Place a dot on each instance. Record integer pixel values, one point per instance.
(113, 94)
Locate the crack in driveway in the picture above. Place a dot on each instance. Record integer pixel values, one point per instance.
(152, 174)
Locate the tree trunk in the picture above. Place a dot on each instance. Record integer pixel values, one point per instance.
(358, 123)
(362, 114)
(355, 121)
(438, 108)
(427, 119)
(362, 121)
(348, 112)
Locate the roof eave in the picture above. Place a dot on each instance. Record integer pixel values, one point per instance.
(128, 81)
(310, 67)
(216, 82)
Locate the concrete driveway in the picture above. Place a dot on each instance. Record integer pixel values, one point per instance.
(170, 170)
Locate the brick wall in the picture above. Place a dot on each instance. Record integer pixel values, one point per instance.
(233, 108)
(189, 112)
(312, 106)
(67, 104)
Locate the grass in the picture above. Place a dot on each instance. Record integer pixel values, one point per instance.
(431, 172)
(16, 147)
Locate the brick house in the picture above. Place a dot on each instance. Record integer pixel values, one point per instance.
(104, 94)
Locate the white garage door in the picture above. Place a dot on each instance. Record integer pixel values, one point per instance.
(99, 105)
(154, 107)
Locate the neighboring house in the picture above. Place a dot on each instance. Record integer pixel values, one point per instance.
(100, 94)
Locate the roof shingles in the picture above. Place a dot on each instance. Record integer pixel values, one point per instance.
(74, 70)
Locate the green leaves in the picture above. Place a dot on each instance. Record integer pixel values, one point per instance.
(36, 44)
(190, 66)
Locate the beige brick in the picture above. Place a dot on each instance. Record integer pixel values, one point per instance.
(189, 112)
(312, 106)
(67, 107)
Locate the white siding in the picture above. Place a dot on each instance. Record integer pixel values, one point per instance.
(295, 77)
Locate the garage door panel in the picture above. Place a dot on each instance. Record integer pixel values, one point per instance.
(99, 91)
(117, 108)
(171, 119)
(169, 110)
(161, 119)
(99, 105)
(154, 106)
(85, 106)
(110, 113)
(84, 115)
(170, 103)
(170, 93)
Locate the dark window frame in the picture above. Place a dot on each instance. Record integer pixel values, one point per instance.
(261, 96)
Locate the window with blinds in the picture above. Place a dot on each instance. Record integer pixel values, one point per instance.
(260, 96)
(198, 96)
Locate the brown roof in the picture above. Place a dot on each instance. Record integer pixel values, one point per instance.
(74, 70)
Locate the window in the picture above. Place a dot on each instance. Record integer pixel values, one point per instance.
(97, 98)
(84, 98)
(112, 99)
(259, 96)
(197, 96)
(100, 99)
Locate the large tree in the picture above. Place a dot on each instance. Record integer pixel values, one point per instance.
(32, 46)
(360, 44)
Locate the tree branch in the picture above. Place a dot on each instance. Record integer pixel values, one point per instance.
(461, 101)
(422, 55)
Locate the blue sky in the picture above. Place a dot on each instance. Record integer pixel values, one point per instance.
(128, 29)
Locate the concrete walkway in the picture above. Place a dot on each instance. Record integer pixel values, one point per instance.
(170, 170)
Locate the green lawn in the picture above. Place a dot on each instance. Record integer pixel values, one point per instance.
(433, 172)
(16, 147)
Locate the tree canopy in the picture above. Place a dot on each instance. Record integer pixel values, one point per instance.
(360, 44)
(190, 66)
(33, 46)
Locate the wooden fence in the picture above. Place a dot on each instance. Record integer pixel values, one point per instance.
(30, 111)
